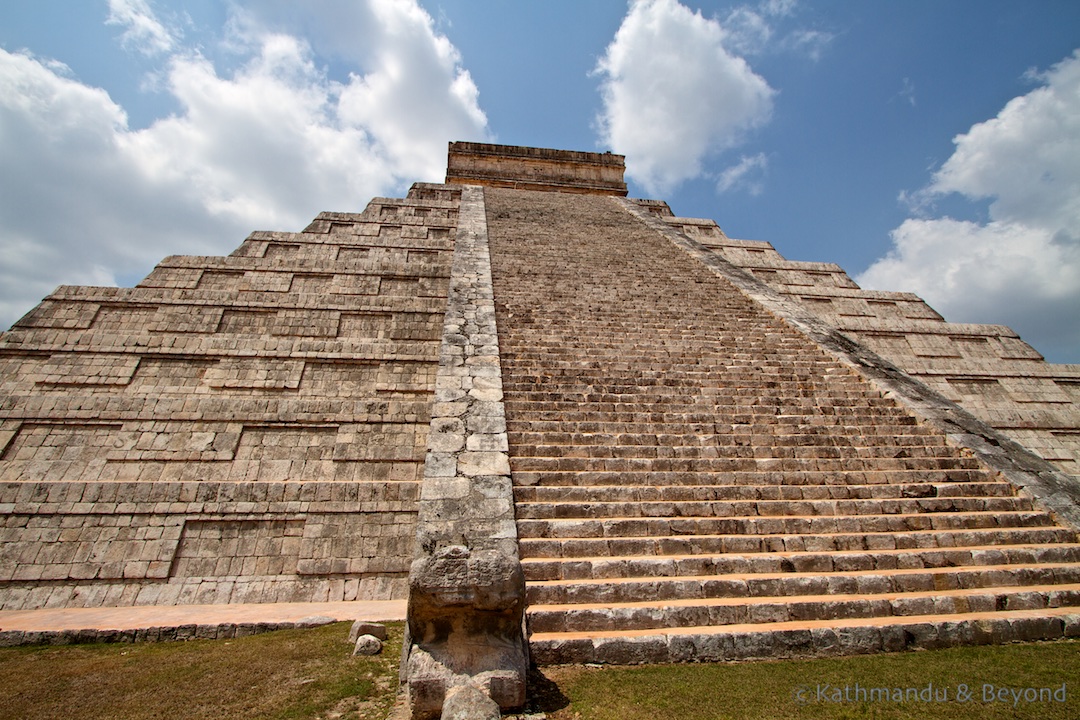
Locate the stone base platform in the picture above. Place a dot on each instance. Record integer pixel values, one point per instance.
(65, 626)
(828, 638)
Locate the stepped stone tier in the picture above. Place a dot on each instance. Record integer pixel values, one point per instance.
(568, 425)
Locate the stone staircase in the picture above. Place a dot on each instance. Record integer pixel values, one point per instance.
(696, 480)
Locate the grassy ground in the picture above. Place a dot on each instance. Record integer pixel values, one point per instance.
(311, 675)
(274, 676)
(943, 684)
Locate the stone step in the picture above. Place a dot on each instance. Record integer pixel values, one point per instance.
(632, 365)
(822, 437)
(721, 464)
(787, 584)
(620, 527)
(637, 418)
(681, 381)
(826, 424)
(611, 406)
(731, 451)
(602, 508)
(552, 477)
(623, 365)
(653, 614)
(803, 639)
(689, 394)
(630, 349)
(739, 543)
(599, 568)
(524, 494)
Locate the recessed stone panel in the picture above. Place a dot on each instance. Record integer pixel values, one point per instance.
(221, 280)
(366, 325)
(123, 318)
(88, 369)
(312, 284)
(284, 443)
(238, 548)
(339, 379)
(281, 251)
(169, 375)
(255, 373)
(59, 314)
(247, 322)
(70, 443)
(357, 543)
(307, 323)
(187, 319)
(398, 287)
(86, 547)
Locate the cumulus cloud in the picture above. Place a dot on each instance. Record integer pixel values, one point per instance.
(73, 204)
(1022, 266)
(668, 69)
(415, 93)
(86, 199)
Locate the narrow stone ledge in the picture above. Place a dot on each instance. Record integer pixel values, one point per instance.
(466, 585)
(176, 633)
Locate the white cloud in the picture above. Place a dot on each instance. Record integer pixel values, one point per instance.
(142, 30)
(747, 175)
(673, 93)
(748, 31)
(86, 199)
(73, 205)
(769, 26)
(1023, 266)
(810, 43)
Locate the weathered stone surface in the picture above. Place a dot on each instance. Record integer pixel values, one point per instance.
(466, 702)
(363, 627)
(537, 168)
(676, 430)
(249, 428)
(367, 645)
(466, 586)
(743, 465)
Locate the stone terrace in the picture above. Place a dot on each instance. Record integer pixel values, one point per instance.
(695, 479)
(249, 428)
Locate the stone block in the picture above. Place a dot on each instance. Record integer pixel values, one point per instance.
(367, 645)
(467, 702)
(364, 627)
(474, 464)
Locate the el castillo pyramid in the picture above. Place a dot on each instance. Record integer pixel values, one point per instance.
(568, 425)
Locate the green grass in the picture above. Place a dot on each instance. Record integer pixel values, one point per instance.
(311, 675)
(771, 690)
(285, 675)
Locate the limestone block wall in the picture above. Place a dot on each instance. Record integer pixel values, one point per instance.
(987, 369)
(247, 428)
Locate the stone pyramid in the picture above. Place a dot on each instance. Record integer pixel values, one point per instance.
(569, 425)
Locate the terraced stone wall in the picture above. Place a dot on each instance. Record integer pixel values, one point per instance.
(249, 428)
(987, 369)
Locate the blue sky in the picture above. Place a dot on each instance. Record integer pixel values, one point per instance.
(924, 145)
